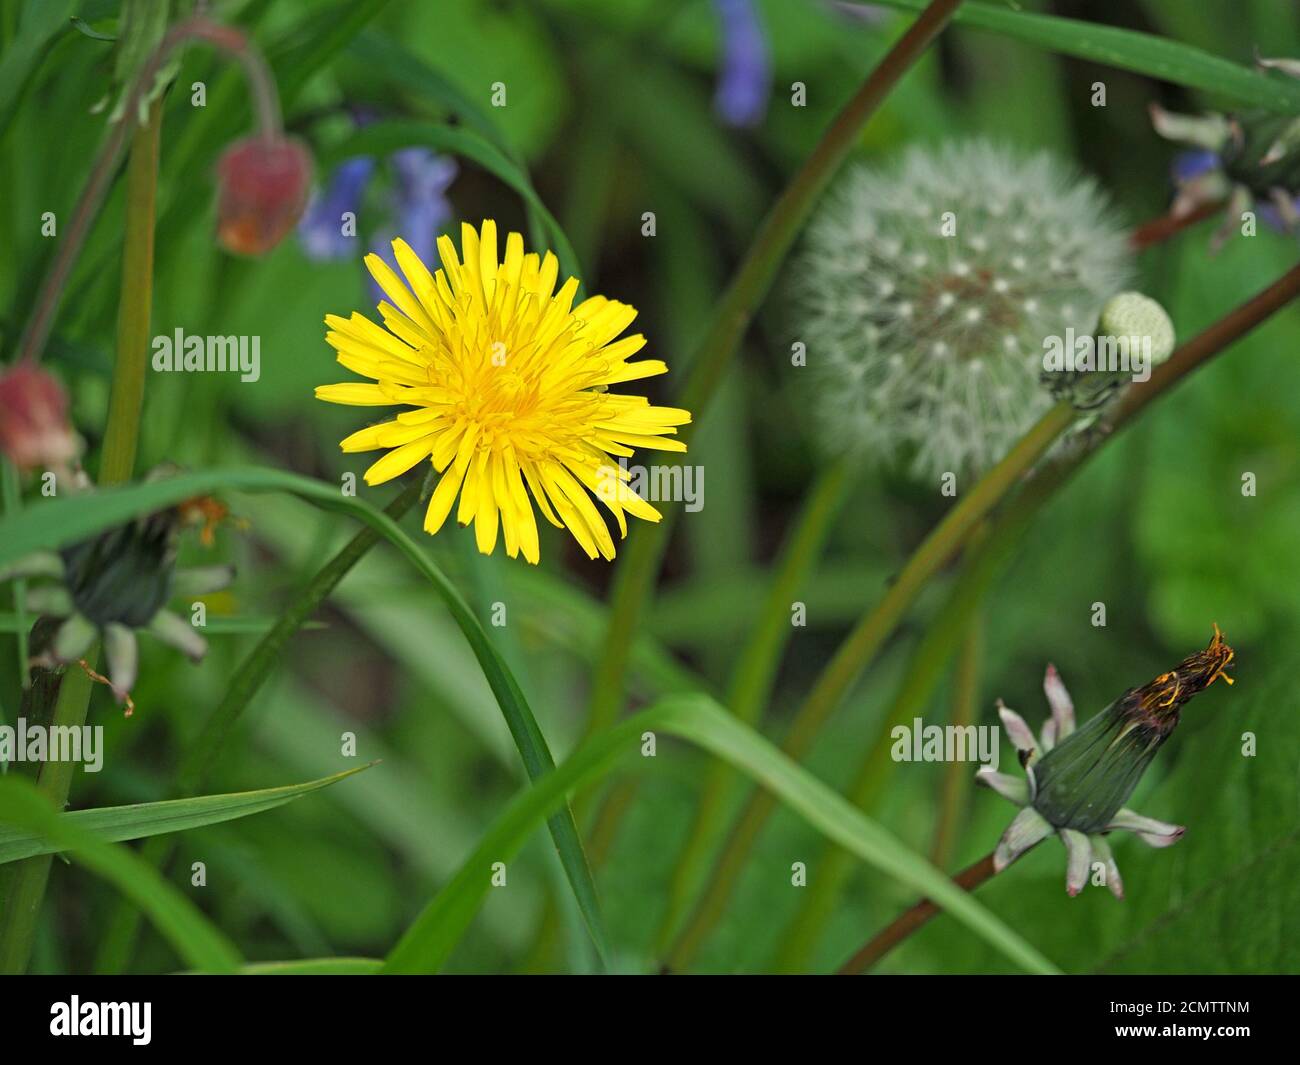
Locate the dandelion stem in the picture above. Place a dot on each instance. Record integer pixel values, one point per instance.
(956, 776)
(637, 571)
(910, 920)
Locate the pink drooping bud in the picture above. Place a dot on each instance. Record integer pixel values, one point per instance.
(263, 186)
(34, 429)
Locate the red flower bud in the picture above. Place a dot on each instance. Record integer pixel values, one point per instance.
(34, 429)
(263, 185)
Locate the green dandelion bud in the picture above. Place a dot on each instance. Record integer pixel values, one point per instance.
(1077, 780)
(1134, 335)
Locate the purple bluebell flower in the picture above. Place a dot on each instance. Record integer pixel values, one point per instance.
(745, 80)
(321, 228)
(1190, 165)
(420, 206)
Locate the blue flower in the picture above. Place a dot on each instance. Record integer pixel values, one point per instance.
(321, 229)
(745, 80)
(420, 206)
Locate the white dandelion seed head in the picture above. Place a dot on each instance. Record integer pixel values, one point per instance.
(950, 331)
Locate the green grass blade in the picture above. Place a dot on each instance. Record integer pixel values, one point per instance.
(66, 520)
(1142, 53)
(429, 941)
(117, 823)
(198, 941)
(315, 967)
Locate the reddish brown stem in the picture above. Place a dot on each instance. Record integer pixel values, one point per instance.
(910, 920)
(265, 103)
(1167, 225)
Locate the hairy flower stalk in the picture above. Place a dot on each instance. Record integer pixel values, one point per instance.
(509, 386)
(926, 293)
(1077, 780)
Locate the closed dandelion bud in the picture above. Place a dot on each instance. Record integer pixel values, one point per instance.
(263, 183)
(1134, 335)
(927, 291)
(34, 428)
(1079, 779)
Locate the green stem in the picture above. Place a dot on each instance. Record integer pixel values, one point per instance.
(27, 883)
(956, 786)
(857, 651)
(752, 680)
(924, 670)
(640, 564)
(123, 926)
(135, 307)
(11, 496)
(25, 886)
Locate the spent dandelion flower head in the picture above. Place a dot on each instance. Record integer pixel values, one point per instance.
(925, 292)
(1077, 780)
(509, 392)
(118, 583)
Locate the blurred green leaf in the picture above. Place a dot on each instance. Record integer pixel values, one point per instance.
(117, 823)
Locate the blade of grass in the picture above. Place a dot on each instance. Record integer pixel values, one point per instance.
(1142, 53)
(751, 682)
(114, 824)
(196, 940)
(429, 941)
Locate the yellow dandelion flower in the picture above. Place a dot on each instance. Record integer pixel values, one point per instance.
(508, 385)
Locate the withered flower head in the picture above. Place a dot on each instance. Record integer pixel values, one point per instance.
(263, 184)
(112, 585)
(34, 428)
(1078, 786)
